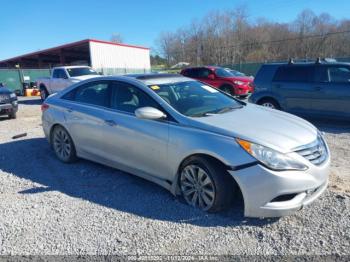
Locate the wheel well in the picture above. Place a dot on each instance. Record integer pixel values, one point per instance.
(211, 159)
(42, 86)
(51, 129)
(225, 85)
(56, 125)
(265, 98)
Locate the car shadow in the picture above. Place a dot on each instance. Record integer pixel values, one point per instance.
(34, 160)
(331, 125)
(32, 101)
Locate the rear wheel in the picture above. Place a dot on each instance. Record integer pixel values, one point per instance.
(270, 103)
(63, 145)
(205, 184)
(43, 93)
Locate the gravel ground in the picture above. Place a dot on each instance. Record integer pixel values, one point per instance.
(84, 208)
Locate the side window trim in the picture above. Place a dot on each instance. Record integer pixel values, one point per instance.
(86, 85)
(330, 76)
(282, 70)
(113, 92)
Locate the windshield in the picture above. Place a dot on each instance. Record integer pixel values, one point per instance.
(196, 99)
(223, 73)
(237, 73)
(81, 71)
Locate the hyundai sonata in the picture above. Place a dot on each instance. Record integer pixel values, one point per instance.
(192, 139)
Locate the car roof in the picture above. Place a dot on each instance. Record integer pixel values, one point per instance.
(307, 63)
(67, 67)
(207, 66)
(158, 79)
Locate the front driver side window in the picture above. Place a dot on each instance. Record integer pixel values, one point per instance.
(128, 98)
(56, 73)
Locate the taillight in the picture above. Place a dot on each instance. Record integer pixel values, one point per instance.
(44, 107)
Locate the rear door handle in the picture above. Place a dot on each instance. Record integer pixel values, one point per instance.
(111, 122)
(318, 88)
(69, 110)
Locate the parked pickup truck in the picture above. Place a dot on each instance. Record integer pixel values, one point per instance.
(62, 77)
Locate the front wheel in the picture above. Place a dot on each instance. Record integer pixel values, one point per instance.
(270, 103)
(227, 89)
(206, 185)
(12, 115)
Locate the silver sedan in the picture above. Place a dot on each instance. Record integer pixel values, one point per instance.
(191, 139)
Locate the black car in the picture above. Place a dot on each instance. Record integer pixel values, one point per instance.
(8, 102)
(318, 88)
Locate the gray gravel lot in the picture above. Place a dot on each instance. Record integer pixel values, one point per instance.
(47, 207)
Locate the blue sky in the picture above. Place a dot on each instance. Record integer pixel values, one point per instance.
(27, 26)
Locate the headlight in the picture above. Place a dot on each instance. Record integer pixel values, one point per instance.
(238, 82)
(13, 95)
(271, 158)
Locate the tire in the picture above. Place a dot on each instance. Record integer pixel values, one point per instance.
(13, 115)
(227, 89)
(63, 145)
(205, 184)
(43, 93)
(243, 96)
(270, 103)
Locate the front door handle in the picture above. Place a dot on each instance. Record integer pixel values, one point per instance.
(69, 110)
(110, 122)
(318, 88)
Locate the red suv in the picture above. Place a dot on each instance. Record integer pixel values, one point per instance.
(222, 79)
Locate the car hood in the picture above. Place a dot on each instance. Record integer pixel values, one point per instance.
(4, 91)
(84, 77)
(272, 128)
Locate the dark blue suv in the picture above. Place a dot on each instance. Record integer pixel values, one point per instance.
(314, 89)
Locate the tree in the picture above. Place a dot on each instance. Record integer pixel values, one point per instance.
(116, 38)
(229, 37)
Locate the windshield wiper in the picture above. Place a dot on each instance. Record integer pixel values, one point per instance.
(217, 111)
(203, 114)
(227, 109)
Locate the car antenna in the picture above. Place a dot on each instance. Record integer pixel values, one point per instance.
(318, 60)
(290, 61)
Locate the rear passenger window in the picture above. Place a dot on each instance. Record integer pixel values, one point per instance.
(293, 73)
(339, 74)
(94, 93)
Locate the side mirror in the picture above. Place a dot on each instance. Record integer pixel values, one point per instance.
(211, 76)
(150, 113)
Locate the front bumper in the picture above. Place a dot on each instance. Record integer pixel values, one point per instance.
(241, 90)
(268, 193)
(7, 108)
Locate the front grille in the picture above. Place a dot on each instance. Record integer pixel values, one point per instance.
(316, 152)
(4, 99)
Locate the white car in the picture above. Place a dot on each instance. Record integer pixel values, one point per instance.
(63, 77)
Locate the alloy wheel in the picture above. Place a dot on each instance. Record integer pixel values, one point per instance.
(268, 104)
(62, 144)
(197, 187)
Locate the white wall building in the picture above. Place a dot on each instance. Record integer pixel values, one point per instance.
(106, 57)
(111, 58)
